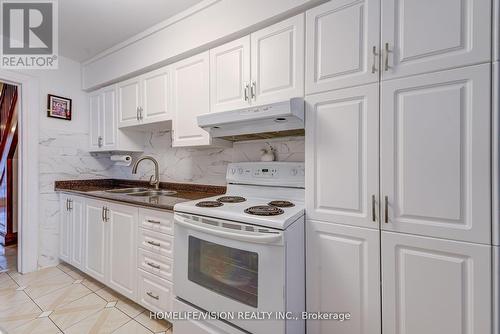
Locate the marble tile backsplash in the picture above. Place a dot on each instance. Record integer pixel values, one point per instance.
(64, 155)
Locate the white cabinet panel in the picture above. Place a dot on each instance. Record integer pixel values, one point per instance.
(343, 275)
(95, 236)
(96, 121)
(122, 224)
(496, 154)
(159, 221)
(342, 158)
(155, 96)
(428, 35)
(154, 293)
(108, 96)
(278, 61)
(77, 211)
(496, 30)
(190, 89)
(435, 154)
(230, 75)
(342, 44)
(64, 229)
(129, 101)
(435, 286)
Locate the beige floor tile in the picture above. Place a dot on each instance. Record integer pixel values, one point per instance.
(153, 325)
(12, 297)
(62, 296)
(104, 321)
(18, 315)
(36, 276)
(108, 294)
(92, 284)
(69, 314)
(36, 326)
(65, 267)
(76, 274)
(132, 327)
(6, 282)
(42, 287)
(129, 307)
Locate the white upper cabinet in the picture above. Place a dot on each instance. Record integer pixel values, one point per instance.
(421, 36)
(278, 61)
(434, 286)
(96, 121)
(342, 156)
(230, 75)
(108, 103)
(342, 44)
(155, 104)
(435, 154)
(129, 101)
(343, 274)
(190, 98)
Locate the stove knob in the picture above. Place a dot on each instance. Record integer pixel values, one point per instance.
(233, 171)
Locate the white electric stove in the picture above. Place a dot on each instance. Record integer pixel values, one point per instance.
(244, 251)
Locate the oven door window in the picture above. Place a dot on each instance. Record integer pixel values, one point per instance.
(228, 271)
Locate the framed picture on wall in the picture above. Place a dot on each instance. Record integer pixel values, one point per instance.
(59, 107)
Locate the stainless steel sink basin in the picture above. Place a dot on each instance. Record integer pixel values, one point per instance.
(154, 193)
(126, 190)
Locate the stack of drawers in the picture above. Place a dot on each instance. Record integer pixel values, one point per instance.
(155, 260)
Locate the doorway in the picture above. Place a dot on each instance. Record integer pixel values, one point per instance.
(8, 176)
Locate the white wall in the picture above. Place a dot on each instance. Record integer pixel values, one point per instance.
(210, 23)
(62, 149)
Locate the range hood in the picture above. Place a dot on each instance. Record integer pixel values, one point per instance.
(266, 121)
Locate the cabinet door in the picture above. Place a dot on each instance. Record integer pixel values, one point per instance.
(343, 275)
(95, 239)
(95, 122)
(342, 158)
(230, 75)
(77, 210)
(342, 44)
(128, 102)
(190, 88)
(64, 229)
(155, 96)
(435, 154)
(278, 61)
(122, 223)
(428, 35)
(109, 117)
(435, 286)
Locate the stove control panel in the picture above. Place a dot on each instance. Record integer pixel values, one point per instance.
(283, 174)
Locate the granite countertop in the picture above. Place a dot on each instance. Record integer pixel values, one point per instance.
(96, 188)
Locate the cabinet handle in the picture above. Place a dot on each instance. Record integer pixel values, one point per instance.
(67, 204)
(140, 113)
(374, 215)
(153, 265)
(246, 92)
(386, 206)
(150, 294)
(137, 113)
(106, 214)
(99, 141)
(375, 54)
(253, 90)
(157, 244)
(153, 221)
(103, 216)
(70, 203)
(386, 57)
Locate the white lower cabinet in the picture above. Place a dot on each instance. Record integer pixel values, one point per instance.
(435, 286)
(122, 225)
(129, 249)
(343, 275)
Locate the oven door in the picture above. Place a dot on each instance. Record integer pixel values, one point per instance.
(223, 266)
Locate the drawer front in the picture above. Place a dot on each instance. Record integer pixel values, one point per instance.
(155, 264)
(155, 242)
(158, 221)
(154, 293)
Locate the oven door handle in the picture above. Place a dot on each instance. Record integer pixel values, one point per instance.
(261, 238)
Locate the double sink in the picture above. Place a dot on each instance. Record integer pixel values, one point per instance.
(142, 192)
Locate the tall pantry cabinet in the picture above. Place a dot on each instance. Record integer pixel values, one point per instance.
(398, 151)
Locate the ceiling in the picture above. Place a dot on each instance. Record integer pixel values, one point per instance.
(88, 27)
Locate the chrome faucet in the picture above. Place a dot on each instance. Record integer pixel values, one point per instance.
(154, 180)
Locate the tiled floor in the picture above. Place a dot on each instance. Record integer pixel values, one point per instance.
(63, 300)
(8, 258)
